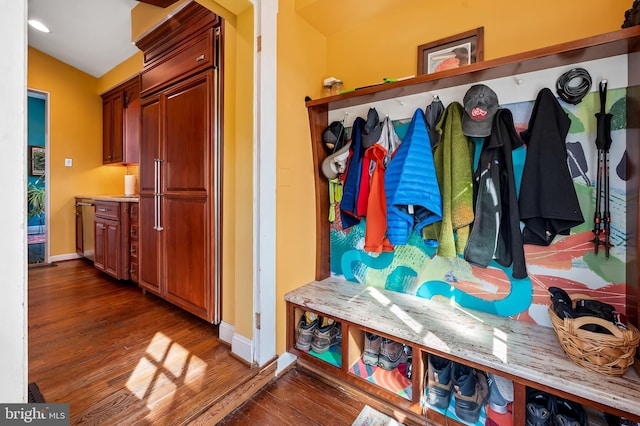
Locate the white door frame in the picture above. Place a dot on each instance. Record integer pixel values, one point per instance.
(47, 170)
(264, 179)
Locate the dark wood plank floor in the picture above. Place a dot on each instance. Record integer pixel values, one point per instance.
(300, 397)
(118, 356)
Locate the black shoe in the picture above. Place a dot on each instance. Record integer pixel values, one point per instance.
(540, 407)
(569, 413)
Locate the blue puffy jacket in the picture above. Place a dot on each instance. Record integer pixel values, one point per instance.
(413, 195)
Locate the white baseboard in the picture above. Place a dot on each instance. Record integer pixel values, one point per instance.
(226, 332)
(242, 347)
(284, 361)
(61, 257)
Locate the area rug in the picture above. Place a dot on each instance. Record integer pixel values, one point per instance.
(370, 417)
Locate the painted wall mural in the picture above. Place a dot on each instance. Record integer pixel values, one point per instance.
(569, 262)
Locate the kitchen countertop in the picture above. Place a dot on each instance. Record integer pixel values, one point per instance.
(117, 198)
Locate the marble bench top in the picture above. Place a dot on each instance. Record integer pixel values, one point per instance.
(517, 348)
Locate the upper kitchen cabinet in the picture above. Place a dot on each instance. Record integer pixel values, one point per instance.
(121, 123)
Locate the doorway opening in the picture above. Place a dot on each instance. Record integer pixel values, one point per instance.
(37, 185)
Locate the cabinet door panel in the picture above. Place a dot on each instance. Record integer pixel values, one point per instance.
(148, 245)
(113, 248)
(149, 145)
(117, 137)
(188, 135)
(186, 236)
(99, 254)
(107, 130)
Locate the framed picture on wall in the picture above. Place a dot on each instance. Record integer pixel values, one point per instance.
(37, 161)
(451, 52)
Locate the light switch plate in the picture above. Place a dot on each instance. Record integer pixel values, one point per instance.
(68, 162)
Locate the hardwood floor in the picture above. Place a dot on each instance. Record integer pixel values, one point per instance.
(301, 397)
(118, 356)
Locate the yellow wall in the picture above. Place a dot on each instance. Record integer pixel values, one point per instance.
(301, 67)
(75, 125)
(240, 209)
(120, 73)
(386, 45)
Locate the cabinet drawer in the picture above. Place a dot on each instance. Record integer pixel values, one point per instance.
(133, 231)
(133, 213)
(195, 55)
(133, 272)
(108, 210)
(134, 251)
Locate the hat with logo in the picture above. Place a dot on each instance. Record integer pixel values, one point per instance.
(480, 105)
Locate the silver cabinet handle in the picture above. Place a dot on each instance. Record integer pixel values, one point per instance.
(102, 210)
(200, 58)
(159, 199)
(155, 194)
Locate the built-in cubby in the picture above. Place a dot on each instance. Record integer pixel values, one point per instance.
(526, 353)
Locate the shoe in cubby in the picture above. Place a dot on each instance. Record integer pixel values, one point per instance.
(500, 393)
(540, 406)
(470, 391)
(439, 381)
(326, 335)
(306, 328)
(391, 354)
(567, 412)
(371, 352)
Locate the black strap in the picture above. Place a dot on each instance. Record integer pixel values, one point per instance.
(574, 85)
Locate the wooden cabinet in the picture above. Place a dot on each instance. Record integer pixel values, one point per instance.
(121, 123)
(112, 244)
(179, 175)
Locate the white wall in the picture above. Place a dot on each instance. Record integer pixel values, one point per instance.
(13, 175)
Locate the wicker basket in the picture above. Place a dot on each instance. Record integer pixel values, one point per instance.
(609, 354)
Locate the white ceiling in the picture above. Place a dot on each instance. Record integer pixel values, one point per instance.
(91, 35)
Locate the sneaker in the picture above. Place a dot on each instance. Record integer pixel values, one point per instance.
(408, 373)
(326, 336)
(371, 348)
(568, 413)
(439, 381)
(391, 354)
(306, 329)
(471, 391)
(539, 408)
(500, 393)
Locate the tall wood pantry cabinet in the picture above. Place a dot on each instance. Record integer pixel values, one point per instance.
(180, 157)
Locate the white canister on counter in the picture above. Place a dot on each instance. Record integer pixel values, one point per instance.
(130, 184)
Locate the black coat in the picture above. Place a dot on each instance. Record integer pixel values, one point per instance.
(496, 228)
(548, 201)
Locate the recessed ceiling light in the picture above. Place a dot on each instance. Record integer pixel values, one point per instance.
(38, 25)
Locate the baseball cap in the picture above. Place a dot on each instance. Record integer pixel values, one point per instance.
(372, 129)
(336, 163)
(333, 137)
(480, 105)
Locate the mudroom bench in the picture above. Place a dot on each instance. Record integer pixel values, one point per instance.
(528, 354)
